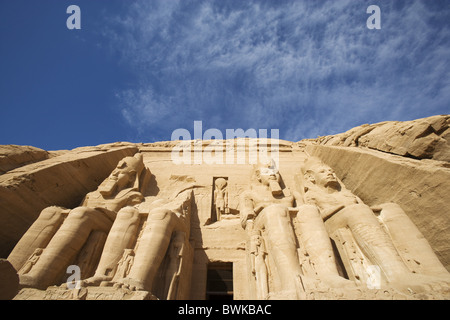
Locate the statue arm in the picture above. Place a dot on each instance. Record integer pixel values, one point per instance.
(330, 211)
(225, 195)
(227, 209)
(135, 198)
(298, 198)
(298, 202)
(325, 213)
(247, 211)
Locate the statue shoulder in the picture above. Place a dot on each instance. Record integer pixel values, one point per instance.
(247, 194)
(311, 195)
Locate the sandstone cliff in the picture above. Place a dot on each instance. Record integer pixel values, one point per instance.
(12, 156)
(403, 162)
(427, 138)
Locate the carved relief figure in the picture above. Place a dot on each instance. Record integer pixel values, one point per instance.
(259, 265)
(341, 210)
(267, 206)
(63, 232)
(124, 265)
(173, 271)
(31, 261)
(220, 197)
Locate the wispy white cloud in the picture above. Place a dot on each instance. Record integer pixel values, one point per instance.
(307, 68)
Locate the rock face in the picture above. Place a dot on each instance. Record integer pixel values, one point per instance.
(12, 156)
(342, 217)
(427, 138)
(9, 280)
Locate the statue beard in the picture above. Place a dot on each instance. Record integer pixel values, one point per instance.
(275, 188)
(334, 184)
(108, 188)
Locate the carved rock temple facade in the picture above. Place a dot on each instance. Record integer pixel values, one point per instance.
(360, 215)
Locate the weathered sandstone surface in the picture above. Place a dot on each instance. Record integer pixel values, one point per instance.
(12, 156)
(427, 138)
(358, 215)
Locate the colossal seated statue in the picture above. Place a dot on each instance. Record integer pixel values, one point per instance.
(149, 233)
(59, 234)
(384, 234)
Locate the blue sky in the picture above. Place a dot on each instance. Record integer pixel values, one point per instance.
(138, 70)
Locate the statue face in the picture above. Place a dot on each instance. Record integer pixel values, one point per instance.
(256, 239)
(268, 174)
(324, 176)
(120, 178)
(221, 183)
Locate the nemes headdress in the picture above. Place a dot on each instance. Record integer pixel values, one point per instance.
(135, 165)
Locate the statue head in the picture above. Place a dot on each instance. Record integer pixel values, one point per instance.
(220, 183)
(38, 251)
(125, 175)
(267, 173)
(256, 239)
(317, 173)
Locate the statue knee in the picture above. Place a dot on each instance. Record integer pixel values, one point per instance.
(161, 214)
(52, 213)
(359, 214)
(81, 213)
(348, 216)
(391, 207)
(361, 211)
(392, 212)
(307, 212)
(128, 213)
(165, 220)
(89, 218)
